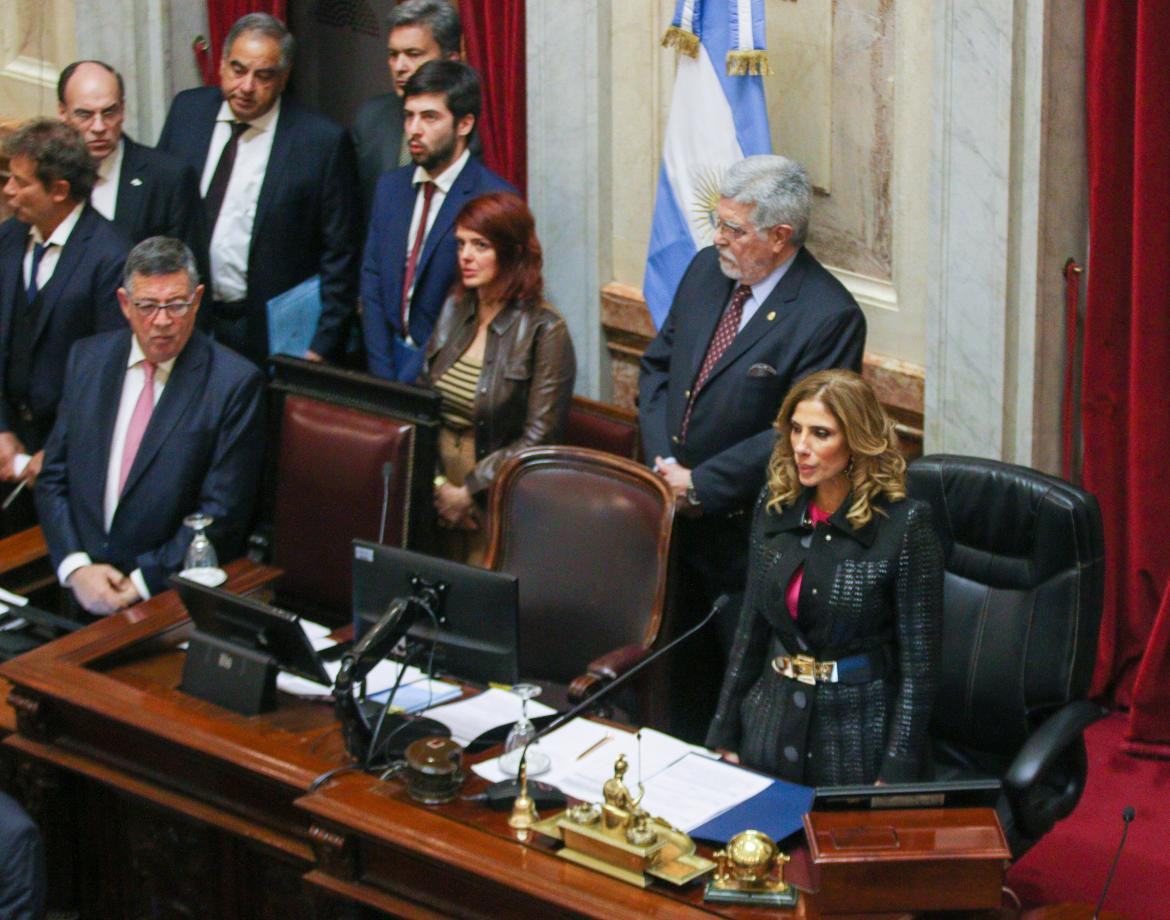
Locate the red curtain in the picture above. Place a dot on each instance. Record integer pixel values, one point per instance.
(221, 14)
(493, 32)
(1126, 377)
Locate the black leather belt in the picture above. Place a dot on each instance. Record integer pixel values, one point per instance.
(225, 310)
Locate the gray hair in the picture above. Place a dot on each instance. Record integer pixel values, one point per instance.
(439, 16)
(778, 188)
(269, 26)
(160, 255)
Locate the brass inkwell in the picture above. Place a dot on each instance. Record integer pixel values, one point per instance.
(621, 839)
(750, 870)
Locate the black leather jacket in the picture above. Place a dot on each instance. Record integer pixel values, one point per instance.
(874, 592)
(526, 383)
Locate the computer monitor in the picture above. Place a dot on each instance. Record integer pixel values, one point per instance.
(477, 636)
(238, 645)
(958, 793)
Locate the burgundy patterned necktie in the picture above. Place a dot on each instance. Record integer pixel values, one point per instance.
(725, 333)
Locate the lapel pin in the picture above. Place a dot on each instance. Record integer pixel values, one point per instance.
(135, 181)
(771, 315)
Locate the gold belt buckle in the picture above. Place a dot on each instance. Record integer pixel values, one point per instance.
(803, 668)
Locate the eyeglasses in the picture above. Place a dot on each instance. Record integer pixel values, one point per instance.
(176, 309)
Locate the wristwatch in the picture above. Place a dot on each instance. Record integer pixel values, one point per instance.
(692, 497)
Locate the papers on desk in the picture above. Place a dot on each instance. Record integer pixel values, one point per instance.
(684, 784)
(470, 718)
(13, 600)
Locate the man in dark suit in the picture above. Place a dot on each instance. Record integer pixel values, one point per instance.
(60, 264)
(419, 31)
(22, 864)
(409, 261)
(143, 191)
(157, 422)
(270, 228)
(753, 314)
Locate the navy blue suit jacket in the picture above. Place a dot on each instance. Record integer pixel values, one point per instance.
(22, 864)
(159, 196)
(306, 217)
(808, 323)
(80, 299)
(202, 451)
(384, 265)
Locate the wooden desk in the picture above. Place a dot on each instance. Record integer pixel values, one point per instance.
(155, 804)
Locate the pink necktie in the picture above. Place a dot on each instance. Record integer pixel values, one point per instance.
(138, 422)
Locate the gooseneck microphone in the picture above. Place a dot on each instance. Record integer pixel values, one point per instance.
(1127, 817)
(511, 788)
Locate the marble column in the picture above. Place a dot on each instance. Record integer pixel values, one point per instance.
(994, 352)
(149, 41)
(568, 173)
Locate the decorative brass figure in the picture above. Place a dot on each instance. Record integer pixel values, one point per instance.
(620, 839)
(750, 870)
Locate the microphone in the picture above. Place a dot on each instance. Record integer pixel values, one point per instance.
(510, 788)
(387, 474)
(1127, 817)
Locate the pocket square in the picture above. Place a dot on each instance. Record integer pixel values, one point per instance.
(761, 370)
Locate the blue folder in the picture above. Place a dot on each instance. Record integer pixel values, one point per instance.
(293, 318)
(777, 811)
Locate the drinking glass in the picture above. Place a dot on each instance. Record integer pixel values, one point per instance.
(522, 733)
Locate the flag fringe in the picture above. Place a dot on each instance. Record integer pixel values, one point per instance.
(686, 42)
(748, 63)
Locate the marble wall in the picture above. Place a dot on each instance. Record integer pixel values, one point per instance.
(36, 37)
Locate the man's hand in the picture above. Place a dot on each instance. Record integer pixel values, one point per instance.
(311, 355)
(454, 504)
(102, 589)
(33, 470)
(678, 477)
(10, 446)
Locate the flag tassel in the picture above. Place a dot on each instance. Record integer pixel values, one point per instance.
(686, 42)
(748, 63)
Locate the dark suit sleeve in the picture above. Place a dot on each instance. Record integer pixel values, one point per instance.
(52, 487)
(22, 864)
(653, 387)
(339, 241)
(734, 476)
(376, 325)
(107, 278)
(229, 488)
(187, 221)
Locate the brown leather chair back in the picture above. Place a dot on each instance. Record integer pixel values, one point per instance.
(347, 445)
(602, 426)
(589, 536)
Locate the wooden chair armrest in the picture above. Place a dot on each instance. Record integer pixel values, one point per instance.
(21, 549)
(605, 669)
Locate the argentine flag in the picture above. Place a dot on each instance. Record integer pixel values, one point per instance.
(715, 120)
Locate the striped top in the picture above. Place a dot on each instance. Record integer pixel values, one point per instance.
(457, 387)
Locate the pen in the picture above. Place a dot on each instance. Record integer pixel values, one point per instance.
(15, 492)
(595, 745)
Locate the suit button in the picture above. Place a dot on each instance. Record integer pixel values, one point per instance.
(674, 439)
(791, 754)
(828, 538)
(814, 591)
(799, 699)
(687, 394)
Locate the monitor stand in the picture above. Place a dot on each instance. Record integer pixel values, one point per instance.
(229, 674)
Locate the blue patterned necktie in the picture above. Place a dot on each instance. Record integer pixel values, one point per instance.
(32, 289)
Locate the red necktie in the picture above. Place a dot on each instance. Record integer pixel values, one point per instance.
(725, 332)
(138, 422)
(412, 262)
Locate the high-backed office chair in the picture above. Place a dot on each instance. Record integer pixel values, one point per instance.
(350, 455)
(588, 534)
(602, 426)
(1024, 584)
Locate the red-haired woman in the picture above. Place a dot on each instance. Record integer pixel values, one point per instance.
(502, 359)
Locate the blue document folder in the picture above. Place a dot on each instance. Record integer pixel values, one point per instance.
(777, 811)
(293, 317)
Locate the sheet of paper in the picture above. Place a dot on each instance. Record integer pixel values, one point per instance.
(415, 693)
(470, 718)
(14, 600)
(319, 636)
(582, 754)
(694, 789)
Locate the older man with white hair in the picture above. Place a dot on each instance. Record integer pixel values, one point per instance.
(753, 314)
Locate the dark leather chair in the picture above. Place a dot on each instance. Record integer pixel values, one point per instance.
(350, 456)
(589, 536)
(602, 426)
(1023, 593)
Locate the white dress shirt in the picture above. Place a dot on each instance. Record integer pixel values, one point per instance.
(443, 182)
(132, 384)
(104, 196)
(57, 239)
(232, 239)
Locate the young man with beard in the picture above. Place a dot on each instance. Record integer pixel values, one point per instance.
(409, 262)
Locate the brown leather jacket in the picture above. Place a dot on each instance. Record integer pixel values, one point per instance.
(526, 383)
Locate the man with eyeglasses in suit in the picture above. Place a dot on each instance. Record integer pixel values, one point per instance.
(156, 423)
